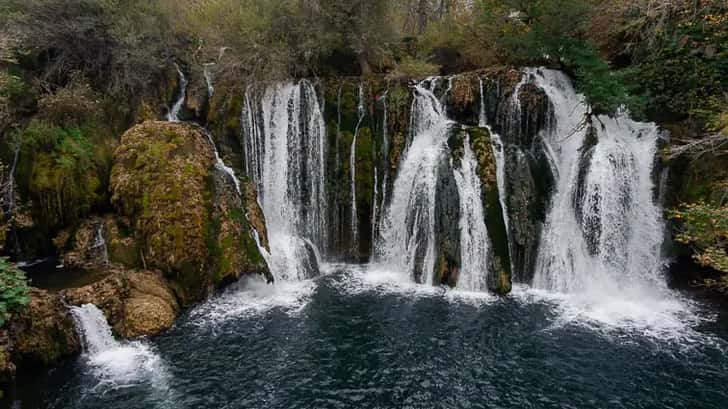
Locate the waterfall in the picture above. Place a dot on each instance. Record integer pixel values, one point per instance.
(604, 230)
(352, 170)
(116, 363)
(375, 207)
(474, 242)
(173, 114)
(385, 145)
(406, 240)
(94, 330)
(98, 247)
(284, 135)
(208, 78)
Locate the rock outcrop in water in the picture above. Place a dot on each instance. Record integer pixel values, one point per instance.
(43, 333)
(136, 303)
(185, 213)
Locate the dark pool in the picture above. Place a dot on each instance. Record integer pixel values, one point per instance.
(347, 340)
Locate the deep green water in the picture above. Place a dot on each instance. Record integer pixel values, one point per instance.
(352, 340)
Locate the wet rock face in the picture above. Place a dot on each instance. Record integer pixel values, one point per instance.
(521, 121)
(185, 213)
(447, 227)
(97, 243)
(136, 303)
(482, 145)
(44, 333)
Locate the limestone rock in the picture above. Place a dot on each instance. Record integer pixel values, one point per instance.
(185, 213)
(136, 303)
(44, 332)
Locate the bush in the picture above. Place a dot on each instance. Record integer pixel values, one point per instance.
(66, 174)
(704, 227)
(412, 68)
(14, 290)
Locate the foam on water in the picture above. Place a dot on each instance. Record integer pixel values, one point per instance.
(383, 281)
(252, 296)
(113, 363)
(638, 315)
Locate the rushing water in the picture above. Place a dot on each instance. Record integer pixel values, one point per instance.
(285, 133)
(407, 236)
(596, 328)
(474, 242)
(355, 339)
(173, 114)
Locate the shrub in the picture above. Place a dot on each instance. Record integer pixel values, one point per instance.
(66, 174)
(14, 290)
(412, 68)
(704, 227)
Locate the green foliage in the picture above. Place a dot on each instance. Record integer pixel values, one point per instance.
(411, 68)
(65, 173)
(552, 31)
(704, 227)
(683, 66)
(14, 290)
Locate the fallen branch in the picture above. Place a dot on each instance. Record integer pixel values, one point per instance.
(716, 144)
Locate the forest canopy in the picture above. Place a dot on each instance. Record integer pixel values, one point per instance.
(619, 52)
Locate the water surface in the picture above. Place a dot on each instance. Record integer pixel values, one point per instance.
(356, 339)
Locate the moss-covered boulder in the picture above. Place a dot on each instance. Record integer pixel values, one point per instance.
(184, 212)
(44, 332)
(136, 303)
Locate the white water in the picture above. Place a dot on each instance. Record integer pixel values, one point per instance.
(207, 73)
(407, 232)
(284, 138)
(375, 207)
(607, 264)
(352, 171)
(173, 114)
(385, 149)
(116, 364)
(474, 241)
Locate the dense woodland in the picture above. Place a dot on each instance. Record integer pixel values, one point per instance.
(73, 74)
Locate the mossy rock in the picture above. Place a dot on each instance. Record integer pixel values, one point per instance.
(44, 332)
(184, 213)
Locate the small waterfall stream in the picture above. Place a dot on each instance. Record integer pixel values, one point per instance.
(361, 112)
(173, 114)
(98, 248)
(116, 363)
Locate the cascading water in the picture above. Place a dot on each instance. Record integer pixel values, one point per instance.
(112, 362)
(407, 234)
(603, 193)
(98, 247)
(207, 73)
(352, 170)
(173, 114)
(474, 242)
(604, 230)
(284, 135)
